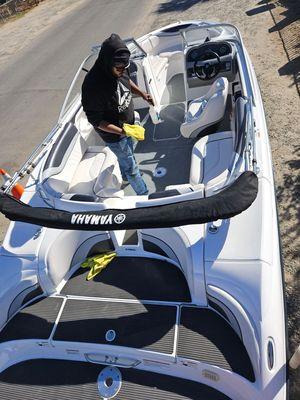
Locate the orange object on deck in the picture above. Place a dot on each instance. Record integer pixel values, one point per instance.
(17, 190)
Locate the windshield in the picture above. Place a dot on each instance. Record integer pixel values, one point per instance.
(197, 34)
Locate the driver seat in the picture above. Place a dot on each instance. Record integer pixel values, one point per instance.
(206, 110)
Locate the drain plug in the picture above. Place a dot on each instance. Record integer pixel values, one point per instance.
(110, 335)
(109, 382)
(160, 172)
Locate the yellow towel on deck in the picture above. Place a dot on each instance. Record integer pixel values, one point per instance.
(97, 263)
(135, 131)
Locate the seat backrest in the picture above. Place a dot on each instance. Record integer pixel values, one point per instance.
(165, 79)
(210, 159)
(109, 180)
(206, 110)
(156, 44)
(86, 130)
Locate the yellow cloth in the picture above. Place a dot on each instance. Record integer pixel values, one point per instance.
(97, 263)
(135, 131)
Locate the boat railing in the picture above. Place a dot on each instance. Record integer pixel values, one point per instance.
(39, 152)
(250, 147)
(66, 105)
(245, 160)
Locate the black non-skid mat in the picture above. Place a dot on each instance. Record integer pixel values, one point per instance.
(65, 380)
(132, 278)
(140, 326)
(205, 336)
(173, 117)
(34, 321)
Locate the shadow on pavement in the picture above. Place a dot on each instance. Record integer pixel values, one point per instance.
(293, 307)
(287, 24)
(291, 14)
(258, 10)
(288, 195)
(286, 19)
(177, 5)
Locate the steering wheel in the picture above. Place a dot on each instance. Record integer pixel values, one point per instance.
(207, 66)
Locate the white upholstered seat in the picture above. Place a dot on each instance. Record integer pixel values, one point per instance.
(211, 158)
(90, 171)
(206, 110)
(98, 173)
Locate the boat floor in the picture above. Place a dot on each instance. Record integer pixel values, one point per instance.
(132, 278)
(148, 309)
(65, 380)
(164, 145)
(164, 157)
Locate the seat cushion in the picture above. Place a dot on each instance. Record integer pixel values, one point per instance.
(211, 157)
(188, 188)
(87, 171)
(109, 180)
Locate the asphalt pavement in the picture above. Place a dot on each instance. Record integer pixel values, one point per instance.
(35, 81)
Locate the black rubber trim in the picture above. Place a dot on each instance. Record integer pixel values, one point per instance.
(32, 292)
(225, 311)
(34, 321)
(240, 124)
(64, 380)
(165, 247)
(38, 291)
(233, 200)
(217, 308)
(132, 278)
(163, 194)
(205, 336)
(140, 326)
(153, 248)
(63, 142)
(101, 247)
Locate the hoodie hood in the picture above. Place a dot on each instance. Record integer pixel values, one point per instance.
(112, 48)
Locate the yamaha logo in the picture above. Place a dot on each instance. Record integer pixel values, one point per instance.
(119, 218)
(93, 219)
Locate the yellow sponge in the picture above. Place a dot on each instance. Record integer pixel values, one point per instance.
(135, 131)
(97, 263)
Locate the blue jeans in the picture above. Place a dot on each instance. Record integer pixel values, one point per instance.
(128, 166)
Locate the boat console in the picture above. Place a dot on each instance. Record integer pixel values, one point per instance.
(210, 60)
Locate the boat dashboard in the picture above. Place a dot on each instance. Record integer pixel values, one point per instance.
(206, 62)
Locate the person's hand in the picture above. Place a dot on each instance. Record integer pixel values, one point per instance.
(148, 98)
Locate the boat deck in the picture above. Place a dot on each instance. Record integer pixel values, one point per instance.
(163, 146)
(136, 278)
(65, 380)
(149, 309)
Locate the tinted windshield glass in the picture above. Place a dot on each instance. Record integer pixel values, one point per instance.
(195, 35)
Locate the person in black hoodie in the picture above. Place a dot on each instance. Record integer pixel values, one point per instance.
(107, 103)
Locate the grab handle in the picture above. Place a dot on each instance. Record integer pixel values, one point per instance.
(98, 358)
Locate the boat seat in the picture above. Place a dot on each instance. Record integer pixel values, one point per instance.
(98, 173)
(211, 158)
(83, 169)
(206, 110)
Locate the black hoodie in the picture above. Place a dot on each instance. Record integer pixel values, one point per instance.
(105, 97)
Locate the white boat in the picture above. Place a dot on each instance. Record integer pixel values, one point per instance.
(192, 307)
